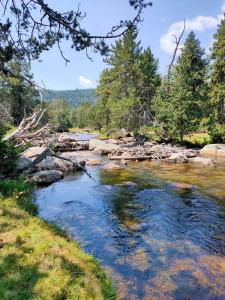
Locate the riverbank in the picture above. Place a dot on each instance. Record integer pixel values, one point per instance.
(37, 260)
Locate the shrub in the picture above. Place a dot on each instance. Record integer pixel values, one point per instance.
(8, 154)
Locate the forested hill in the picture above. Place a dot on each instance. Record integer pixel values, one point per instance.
(72, 97)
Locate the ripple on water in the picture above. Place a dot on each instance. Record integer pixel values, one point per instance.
(156, 241)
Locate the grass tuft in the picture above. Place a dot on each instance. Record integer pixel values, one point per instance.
(38, 260)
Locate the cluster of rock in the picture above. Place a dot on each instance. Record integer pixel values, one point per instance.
(63, 142)
(46, 168)
(126, 149)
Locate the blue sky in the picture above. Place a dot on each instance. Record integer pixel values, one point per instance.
(161, 21)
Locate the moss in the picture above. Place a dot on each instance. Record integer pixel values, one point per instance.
(39, 261)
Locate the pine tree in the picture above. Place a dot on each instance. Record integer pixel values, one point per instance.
(180, 101)
(149, 81)
(127, 87)
(218, 73)
(117, 88)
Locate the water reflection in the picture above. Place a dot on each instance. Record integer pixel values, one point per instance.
(157, 241)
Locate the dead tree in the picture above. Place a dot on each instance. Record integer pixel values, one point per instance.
(26, 126)
(177, 44)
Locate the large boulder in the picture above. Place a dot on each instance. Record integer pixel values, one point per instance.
(31, 156)
(213, 149)
(178, 158)
(203, 160)
(46, 177)
(55, 163)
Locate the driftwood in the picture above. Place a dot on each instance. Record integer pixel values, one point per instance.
(26, 125)
(130, 158)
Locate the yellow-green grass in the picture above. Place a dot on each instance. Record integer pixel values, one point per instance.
(39, 261)
(198, 139)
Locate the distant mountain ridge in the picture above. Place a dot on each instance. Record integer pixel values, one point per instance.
(72, 97)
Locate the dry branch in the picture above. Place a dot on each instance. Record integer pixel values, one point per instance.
(27, 125)
(177, 43)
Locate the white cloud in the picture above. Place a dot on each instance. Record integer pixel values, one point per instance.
(223, 8)
(200, 23)
(85, 82)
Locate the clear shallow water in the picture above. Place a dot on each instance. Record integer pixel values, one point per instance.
(156, 241)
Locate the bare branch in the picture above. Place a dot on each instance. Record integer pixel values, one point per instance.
(177, 42)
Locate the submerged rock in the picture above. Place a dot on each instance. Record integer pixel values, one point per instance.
(182, 186)
(213, 149)
(111, 166)
(128, 184)
(46, 177)
(203, 160)
(93, 162)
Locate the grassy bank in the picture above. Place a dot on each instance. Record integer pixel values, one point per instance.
(37, 260)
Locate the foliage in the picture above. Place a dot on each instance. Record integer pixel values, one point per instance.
(17, 93)
(218, 73)
(181, 99)
(26, 34)
(59, 114)
(216, 131)
(127, 87)
(83, 115)
(8, 154)
(71, 97)
(39, 255)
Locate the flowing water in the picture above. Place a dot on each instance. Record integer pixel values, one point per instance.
(156, 239)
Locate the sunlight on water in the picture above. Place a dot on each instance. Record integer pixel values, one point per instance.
(158, 239)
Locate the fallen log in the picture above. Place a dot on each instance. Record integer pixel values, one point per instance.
(130, 158)
(26, 125)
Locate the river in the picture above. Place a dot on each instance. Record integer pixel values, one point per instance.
(155, 239)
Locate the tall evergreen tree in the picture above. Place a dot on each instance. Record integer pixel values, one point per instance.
(127, 87)
(181, 110)
(218, 73)
(118, 84)
(149, 81)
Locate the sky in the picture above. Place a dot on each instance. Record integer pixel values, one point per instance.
(161, 21)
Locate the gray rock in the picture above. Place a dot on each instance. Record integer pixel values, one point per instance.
(203, 160)
(111, 166)
(66, 137)
(213, 149)
(46, 177)
(178, 158)
(55, 163)
(95, 143)
(93, 162)
(31, 156)
(105, 149)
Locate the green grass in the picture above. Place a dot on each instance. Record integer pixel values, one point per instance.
(197, 139)
(39, 261)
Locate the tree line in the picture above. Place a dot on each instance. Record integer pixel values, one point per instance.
(132, 94)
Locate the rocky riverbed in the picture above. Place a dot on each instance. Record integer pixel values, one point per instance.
(71, 154)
